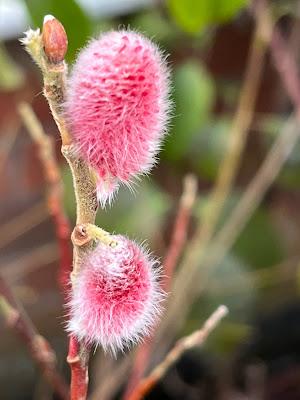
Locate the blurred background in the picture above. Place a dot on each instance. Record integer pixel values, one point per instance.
(225, 85)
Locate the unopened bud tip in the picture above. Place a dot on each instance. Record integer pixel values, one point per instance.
(48, 17)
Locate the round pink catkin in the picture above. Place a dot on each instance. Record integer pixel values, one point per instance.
(116, 298)
(117, 107)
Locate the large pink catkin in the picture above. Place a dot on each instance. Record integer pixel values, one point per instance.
(117, 107)
(116, 298)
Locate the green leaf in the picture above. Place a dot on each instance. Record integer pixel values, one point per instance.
(192, 16)
(194, 94)
(76, 23)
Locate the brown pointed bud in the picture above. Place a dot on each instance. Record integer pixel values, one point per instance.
(54, 39)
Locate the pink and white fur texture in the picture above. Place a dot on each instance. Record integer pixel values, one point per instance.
(118, 107)
(116, 297)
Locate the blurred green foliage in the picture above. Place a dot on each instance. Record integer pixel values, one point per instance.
(11, 74)
(194, 94)
(259, 244)
(193, 16)
(264, 249)
(209, 147)
(153, 24)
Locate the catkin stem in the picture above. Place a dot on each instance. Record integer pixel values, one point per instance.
(54, 75)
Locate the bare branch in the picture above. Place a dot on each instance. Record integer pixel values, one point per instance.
(197, 338)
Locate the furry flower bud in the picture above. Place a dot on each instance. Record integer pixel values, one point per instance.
(116, 296)
(117, 107)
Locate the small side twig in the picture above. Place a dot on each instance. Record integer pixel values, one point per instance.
(39, 349)
(23, 223)
(29, 261)
(55, 189)
(197, 338)
(254, 193)
(8, 145)
(174, 251)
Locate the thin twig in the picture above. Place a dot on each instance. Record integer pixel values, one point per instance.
(174, 251)
(197, 247)
(197, 338)
(8, 145)
(79, 369)
(29, 261)
(259, 279)
(39, 349)
(254, 193)
(283, 58)
(55, 189)
(179, 233)
(21, 224)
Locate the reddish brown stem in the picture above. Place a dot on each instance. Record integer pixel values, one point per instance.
(174, 251)
(145, 386)
(179, 234)
(39, 349)
(78, 358)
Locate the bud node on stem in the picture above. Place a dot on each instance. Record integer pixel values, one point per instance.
(80, 237)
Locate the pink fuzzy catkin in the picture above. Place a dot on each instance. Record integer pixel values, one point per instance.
(117, 107)
(116, 298)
